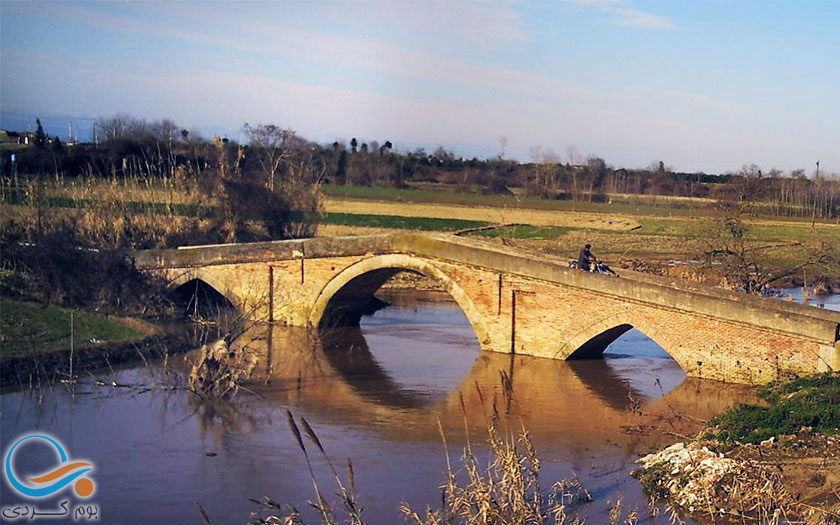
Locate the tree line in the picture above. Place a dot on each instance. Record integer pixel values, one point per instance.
(130, 147)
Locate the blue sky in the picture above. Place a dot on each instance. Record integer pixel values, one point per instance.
(702, 85)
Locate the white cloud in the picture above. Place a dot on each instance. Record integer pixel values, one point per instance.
(624, 15)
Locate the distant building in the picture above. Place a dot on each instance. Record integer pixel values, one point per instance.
(8, 137)
(16, 137)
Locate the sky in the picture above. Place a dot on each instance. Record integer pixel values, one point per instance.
(703, 85)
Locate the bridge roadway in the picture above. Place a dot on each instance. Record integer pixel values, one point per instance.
(516, 301)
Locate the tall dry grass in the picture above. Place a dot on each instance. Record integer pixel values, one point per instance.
(507, 489)
(134, 212)
(145, 205)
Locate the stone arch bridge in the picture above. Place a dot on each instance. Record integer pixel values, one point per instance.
(517, 302)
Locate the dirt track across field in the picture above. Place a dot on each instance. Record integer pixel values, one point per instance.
(484, 213)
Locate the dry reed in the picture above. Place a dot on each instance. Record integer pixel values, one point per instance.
(507, 490)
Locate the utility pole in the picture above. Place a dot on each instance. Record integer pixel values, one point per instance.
(814, 208)
(95, 140)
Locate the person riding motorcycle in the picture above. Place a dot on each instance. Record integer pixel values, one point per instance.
(585, 259)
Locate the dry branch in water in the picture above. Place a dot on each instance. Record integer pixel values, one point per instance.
(221, 369)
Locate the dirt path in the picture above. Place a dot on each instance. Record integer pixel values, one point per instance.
(484, 213)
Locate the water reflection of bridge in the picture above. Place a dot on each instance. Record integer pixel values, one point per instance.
(336, 378)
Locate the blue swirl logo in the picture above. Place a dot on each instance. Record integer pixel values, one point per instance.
(49, 483)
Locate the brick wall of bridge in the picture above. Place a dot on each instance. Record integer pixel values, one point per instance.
(548, 319)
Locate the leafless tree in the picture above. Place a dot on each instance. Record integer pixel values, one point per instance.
(116, 126)
(270, 144)
(744, 262)
(546, 164)
(503, 142)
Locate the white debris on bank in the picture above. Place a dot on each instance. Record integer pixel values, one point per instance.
(703, 481)
(689, 472)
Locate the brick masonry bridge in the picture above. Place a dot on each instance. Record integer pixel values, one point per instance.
(517, 302)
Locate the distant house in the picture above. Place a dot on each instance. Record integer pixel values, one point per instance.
(16, 137)
(9, 137)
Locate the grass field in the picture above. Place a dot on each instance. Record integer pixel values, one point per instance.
(397, 222)
(30, 328)
(524, 231)
(644, 205)
(645, 234)
(619, 204)
(481, 213)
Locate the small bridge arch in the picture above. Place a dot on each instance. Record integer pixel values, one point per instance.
(595, 338)
(338, 301)
(199, 274)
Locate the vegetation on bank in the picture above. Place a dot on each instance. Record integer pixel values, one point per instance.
(128, 147)
(27, 329)
(155, 184)
(812, 402)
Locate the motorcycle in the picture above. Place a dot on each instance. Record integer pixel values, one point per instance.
(598, 267)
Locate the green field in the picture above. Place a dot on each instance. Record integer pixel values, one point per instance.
(398, 222)
(524, 231)
(625, 205)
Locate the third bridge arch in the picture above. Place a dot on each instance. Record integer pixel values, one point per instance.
(517, 302)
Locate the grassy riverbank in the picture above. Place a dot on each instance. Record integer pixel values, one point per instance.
(30, 328)
(35, 342)
(812, 402)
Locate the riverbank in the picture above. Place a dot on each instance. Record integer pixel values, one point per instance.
(41, 344)
(771, 463)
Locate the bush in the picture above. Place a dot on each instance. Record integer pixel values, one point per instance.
(57, 268)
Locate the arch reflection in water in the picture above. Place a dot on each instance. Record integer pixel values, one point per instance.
(339, 378)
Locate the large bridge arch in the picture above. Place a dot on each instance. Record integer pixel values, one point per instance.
(366, 276)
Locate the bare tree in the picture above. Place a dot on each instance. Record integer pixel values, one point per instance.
(116, 126)
(745, 263)
(270, 144)
(503, 142)
(546, 164)
(164, 130)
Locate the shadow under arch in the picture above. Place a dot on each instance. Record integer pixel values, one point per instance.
(347, 296)
(200, 282)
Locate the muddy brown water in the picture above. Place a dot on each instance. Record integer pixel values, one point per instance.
(373, 394)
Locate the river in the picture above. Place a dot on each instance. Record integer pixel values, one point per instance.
(373, 394)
